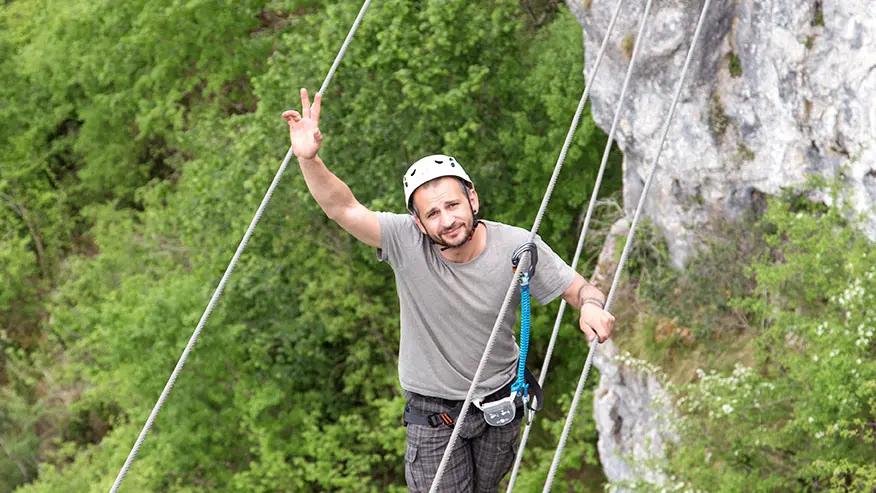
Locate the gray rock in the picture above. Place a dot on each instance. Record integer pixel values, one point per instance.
(778, 90)
(802, 102)
(630, 405)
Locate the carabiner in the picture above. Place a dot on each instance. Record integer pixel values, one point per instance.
(533, 257)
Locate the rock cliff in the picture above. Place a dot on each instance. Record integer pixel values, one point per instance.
(778, 90)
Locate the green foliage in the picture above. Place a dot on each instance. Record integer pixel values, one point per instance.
(818, 16)
(627, 46)
(20, 444)
(743, 153)
(685, 319)
(579, 469)
(734, 65)
(718, 119)
(147, 133)
(800, 415)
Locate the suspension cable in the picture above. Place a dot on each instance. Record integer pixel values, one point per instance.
(218, 292)
(579, 248)
(630, 237)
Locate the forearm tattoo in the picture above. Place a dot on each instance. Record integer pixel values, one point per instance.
(582, 298)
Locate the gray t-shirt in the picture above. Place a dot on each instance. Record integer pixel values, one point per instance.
(448, 309)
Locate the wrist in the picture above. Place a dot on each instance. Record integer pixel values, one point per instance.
(590, 300)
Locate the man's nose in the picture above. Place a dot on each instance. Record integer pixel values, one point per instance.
(447, 219)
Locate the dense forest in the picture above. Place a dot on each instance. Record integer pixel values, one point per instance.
(137, 139)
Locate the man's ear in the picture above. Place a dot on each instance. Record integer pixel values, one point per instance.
(473, 200)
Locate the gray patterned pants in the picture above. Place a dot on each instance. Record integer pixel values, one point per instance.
(483, 454)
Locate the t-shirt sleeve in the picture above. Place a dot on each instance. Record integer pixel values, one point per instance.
(398, 233)
(552, 275)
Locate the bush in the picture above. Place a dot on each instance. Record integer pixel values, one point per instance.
(802, 414)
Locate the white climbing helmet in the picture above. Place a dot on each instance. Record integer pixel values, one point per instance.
(429, 168)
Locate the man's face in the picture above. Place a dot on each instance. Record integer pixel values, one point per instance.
(444, 213)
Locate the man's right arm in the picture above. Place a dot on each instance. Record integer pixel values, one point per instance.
(337, 201)
(333, 195)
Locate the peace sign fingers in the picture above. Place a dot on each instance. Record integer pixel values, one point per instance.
(305, 103)
(314, 110)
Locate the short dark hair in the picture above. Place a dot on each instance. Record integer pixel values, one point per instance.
(464, 185)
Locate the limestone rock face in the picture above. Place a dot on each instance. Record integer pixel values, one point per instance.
(630, 405)
(777, 90)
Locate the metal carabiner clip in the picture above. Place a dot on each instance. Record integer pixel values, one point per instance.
(533, 257)
(528, 413)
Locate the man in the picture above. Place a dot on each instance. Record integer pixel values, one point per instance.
(452, 272)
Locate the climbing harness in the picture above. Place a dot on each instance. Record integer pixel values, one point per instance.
(218, 292)
(499, 411)
(434, 420)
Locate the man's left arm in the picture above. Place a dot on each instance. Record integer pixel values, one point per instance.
(593, 319)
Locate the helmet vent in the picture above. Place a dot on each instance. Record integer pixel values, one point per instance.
(438, 161)
(452, 164)
(413, 171)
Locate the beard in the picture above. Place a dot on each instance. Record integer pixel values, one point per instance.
(467, 231)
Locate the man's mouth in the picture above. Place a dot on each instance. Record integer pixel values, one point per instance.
(453, 231)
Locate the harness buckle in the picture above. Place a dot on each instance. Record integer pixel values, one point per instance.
(438, 419)
(500, 412)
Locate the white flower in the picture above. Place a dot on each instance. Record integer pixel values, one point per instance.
(820, 434)
(811, 420)
(727, 408)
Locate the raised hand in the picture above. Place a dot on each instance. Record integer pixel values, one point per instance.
(304, 127)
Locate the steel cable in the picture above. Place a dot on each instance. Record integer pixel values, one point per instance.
(218, 292)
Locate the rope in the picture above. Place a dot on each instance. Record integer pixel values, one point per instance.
(343, 50)
(630, 237)
(525, 313)
(524, 266)
(218, 292)
(585, 227)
